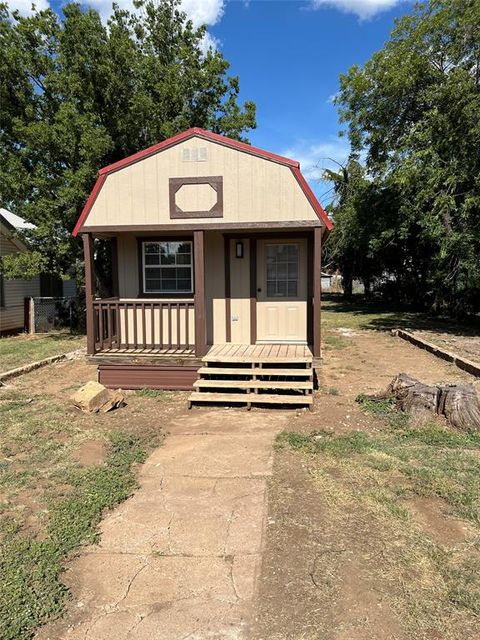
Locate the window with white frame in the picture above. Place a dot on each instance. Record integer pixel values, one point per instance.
(282, 270)
(167, 267)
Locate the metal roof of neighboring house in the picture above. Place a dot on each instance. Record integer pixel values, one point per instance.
(10, 223)
(14, 221)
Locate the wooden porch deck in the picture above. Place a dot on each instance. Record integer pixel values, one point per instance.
(259, 353)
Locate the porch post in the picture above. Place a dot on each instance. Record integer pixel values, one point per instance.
(200, 323)
(89, 291)
(317, 282)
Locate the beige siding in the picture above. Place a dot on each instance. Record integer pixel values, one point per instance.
(215, 287)
(240, 293)
(12, 314)
(128, 278)
(255, 189)
(129, 284)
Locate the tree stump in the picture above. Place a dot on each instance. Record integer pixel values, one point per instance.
(459, 403)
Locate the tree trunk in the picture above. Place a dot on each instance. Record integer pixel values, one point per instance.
(414, 397)
(459, 403)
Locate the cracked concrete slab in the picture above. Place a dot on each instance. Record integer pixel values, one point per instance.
(180, 559)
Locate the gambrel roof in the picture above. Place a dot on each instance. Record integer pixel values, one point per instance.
(292, 165)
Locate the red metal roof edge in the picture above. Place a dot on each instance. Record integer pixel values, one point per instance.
(89, 204)
(312, 198)
(215, 137)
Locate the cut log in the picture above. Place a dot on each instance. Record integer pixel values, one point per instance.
(459, 403)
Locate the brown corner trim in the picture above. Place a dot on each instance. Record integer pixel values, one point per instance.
(228, 292)
(199, 276)
(317, 283)
(253, 290)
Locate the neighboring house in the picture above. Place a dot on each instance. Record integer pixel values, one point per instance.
(216, 249)
(326, 281)
(331, 282)
(15, 313)
(14, 292)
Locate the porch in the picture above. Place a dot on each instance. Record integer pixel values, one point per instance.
(143, 327)
(229, 373)
(176, 296)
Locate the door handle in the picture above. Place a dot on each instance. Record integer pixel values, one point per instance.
(259, 290)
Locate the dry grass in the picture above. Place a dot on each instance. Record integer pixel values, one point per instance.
(16, 351)
(363, 483)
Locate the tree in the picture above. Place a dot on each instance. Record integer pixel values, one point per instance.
(414, 111)
(77, 94)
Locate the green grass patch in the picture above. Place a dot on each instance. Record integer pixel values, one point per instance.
(30, 590)
(333, 391)
(16, 351)
(336, 342)
(153, 393)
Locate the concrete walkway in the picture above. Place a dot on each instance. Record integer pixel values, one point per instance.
(180, 558)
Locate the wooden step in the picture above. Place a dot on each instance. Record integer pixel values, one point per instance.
(252, 384)
(250, 398)
(258, 359)
(256, 371)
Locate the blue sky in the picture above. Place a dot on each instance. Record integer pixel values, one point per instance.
(289, 55)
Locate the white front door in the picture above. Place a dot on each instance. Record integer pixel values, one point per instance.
(282, 291)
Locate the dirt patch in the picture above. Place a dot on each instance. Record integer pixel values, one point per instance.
(90, 452)
(45, 436)
(465, 346)
(339, 568)
(434, 516)
(321, 566)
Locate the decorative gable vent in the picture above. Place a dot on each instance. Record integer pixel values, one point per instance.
(194, 154)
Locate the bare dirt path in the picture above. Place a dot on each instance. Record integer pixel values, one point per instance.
(181, 557)
(338, 565)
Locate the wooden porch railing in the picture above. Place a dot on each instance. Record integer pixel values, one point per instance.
(143, 324)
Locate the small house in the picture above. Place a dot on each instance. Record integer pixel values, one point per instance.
(216, 272)
(13, 293)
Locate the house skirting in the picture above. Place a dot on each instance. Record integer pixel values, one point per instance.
(143, 376)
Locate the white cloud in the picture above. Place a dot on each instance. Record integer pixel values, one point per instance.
(204, 11)
(364, 9)
(25, 6)
(200, 12)
(316, 156)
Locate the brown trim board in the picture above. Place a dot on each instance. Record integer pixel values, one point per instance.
(199, 287)
(89, 291)
(175, 184)
(228, 291)
(317, 284)
(253, 290)
(223, 226)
